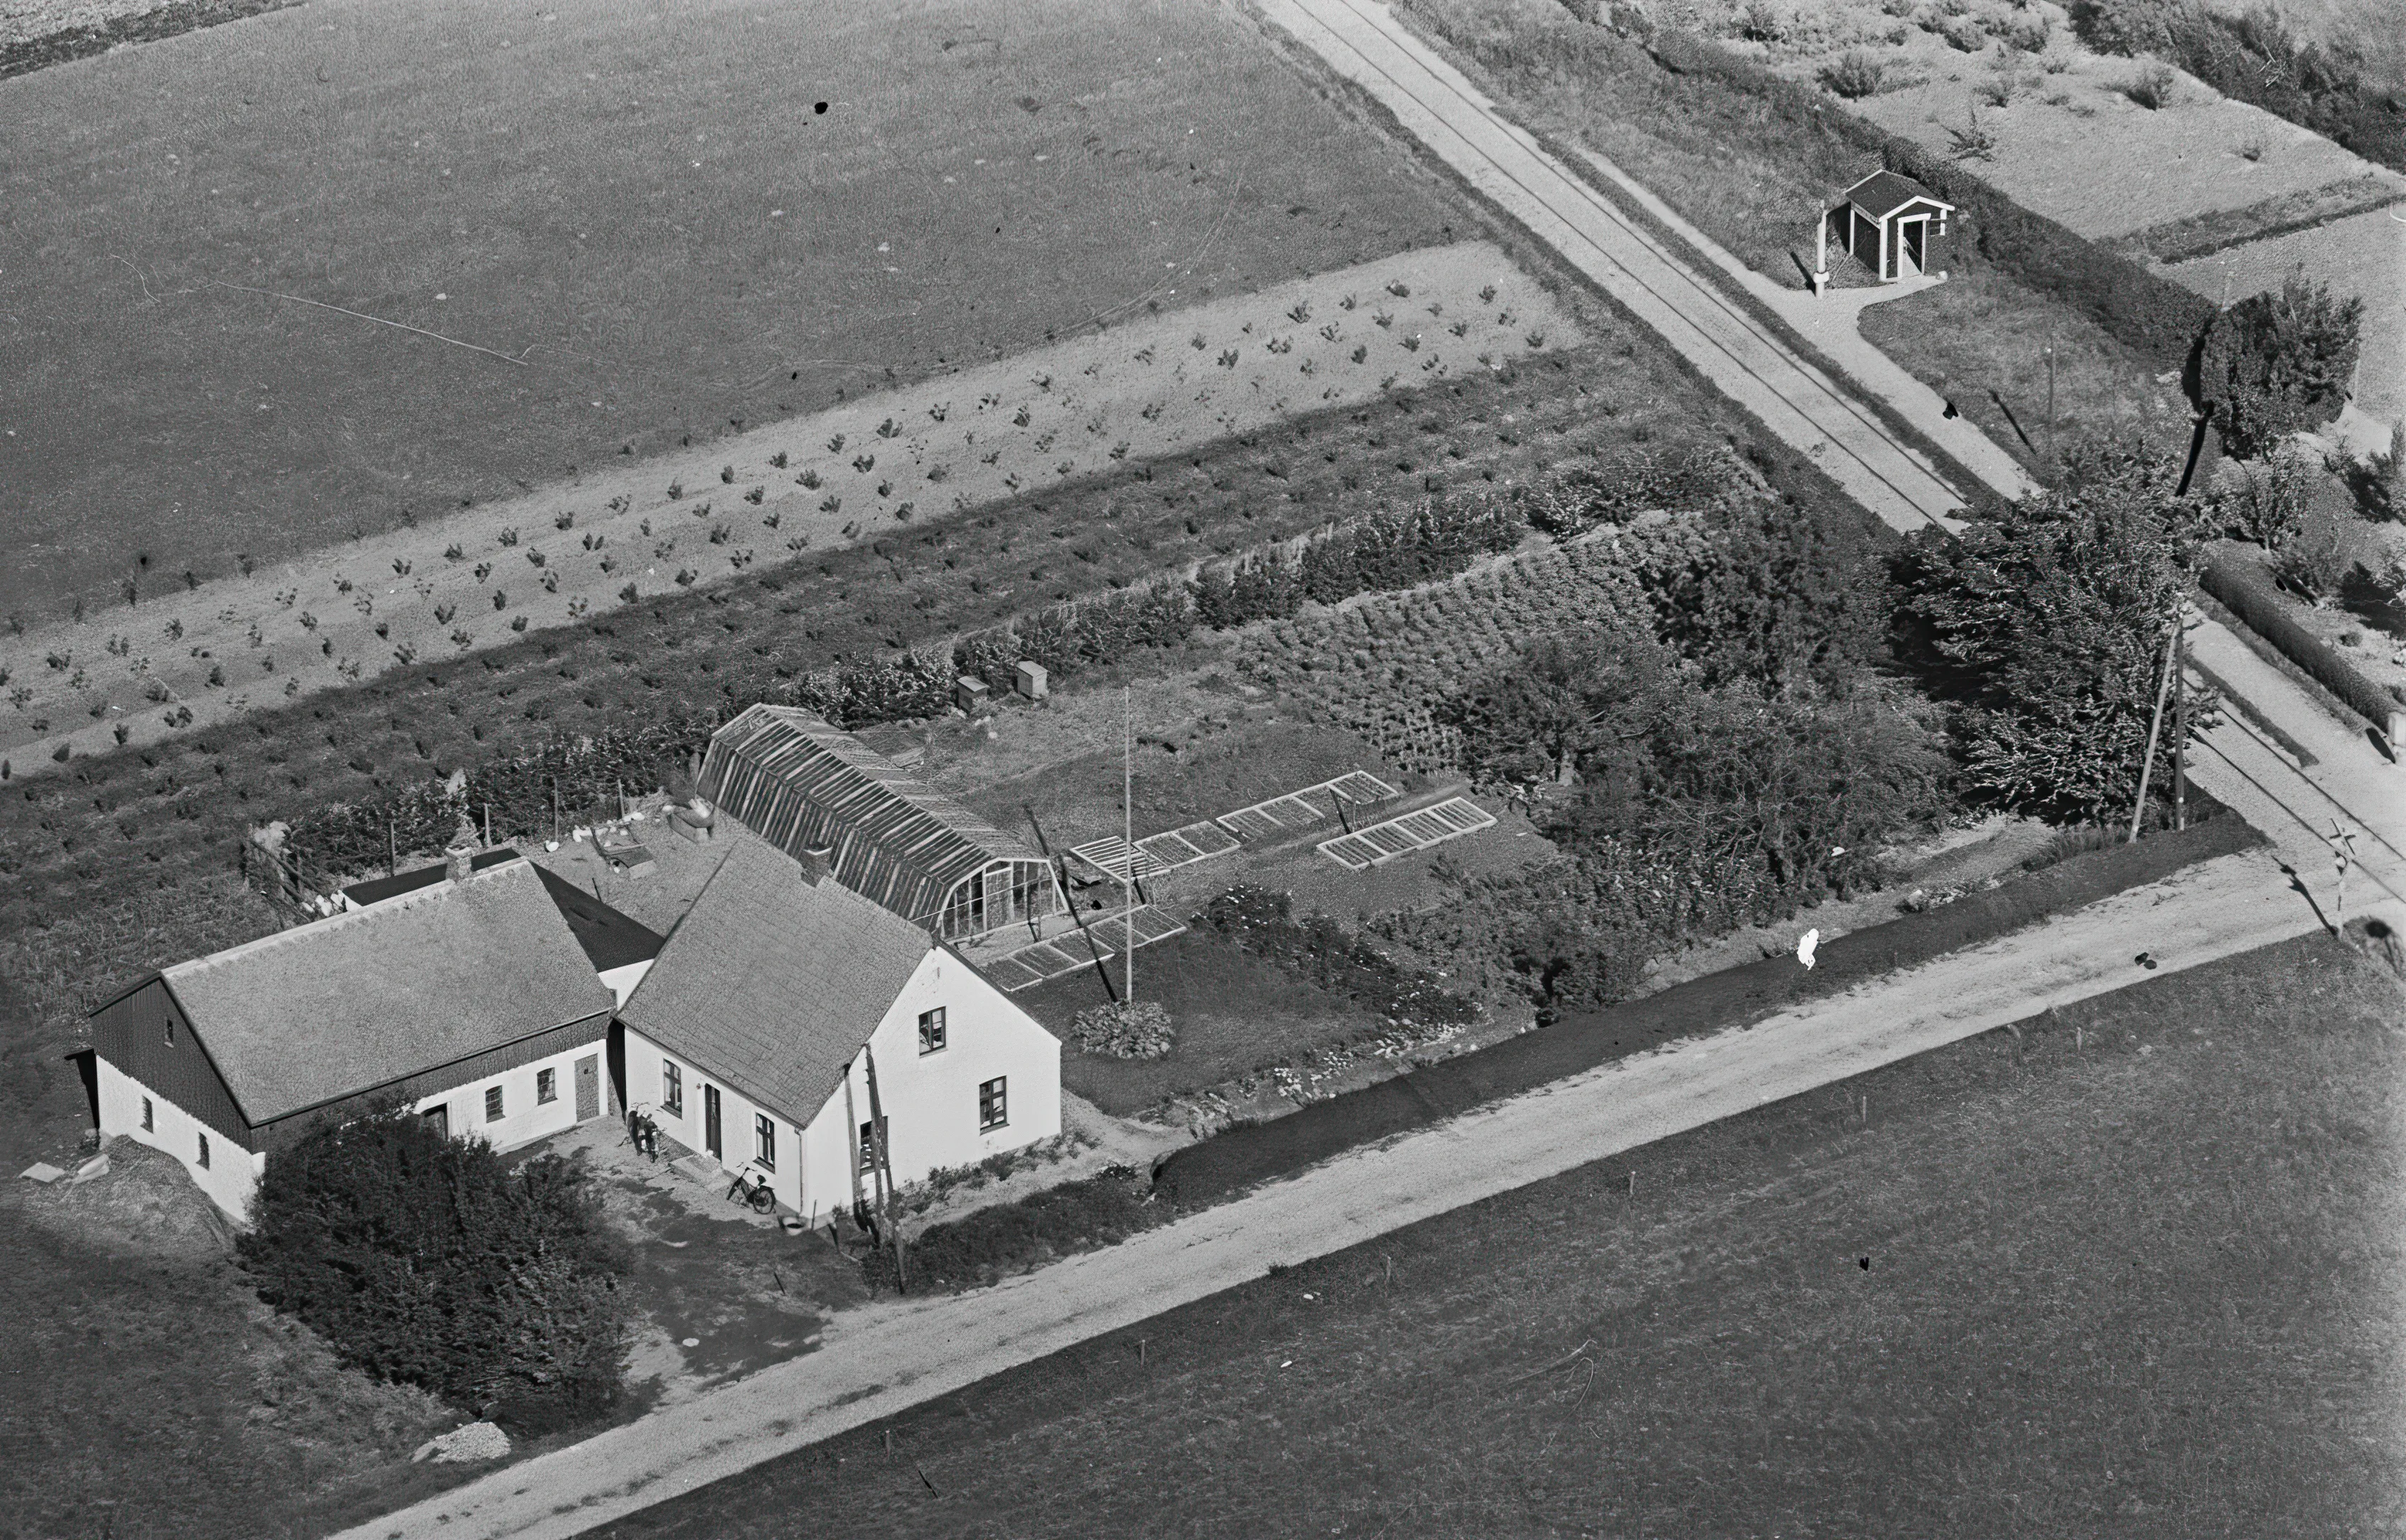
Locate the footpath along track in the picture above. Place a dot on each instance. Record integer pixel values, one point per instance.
(1743, 356)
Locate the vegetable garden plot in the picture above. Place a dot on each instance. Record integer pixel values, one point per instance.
(1417, 830)
(1033, 965)
(1269, 819)
(1155, 853)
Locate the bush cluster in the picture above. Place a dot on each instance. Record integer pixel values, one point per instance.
(1262, 923)
(2274, 364)
(1122, 1030)
(434, 1262)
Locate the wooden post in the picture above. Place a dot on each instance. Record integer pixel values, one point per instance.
(890, 1200)
(555, 809)
(2054, 461)
(488, 826)
(2155, 727)
(391, 849)
(2180, 727)
(1128, 838)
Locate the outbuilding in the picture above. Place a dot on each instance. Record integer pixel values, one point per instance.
(468, 998)
(1890, 224)
(781, 995)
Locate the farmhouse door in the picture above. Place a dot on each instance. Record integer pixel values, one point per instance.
(588, 1087)
(709, 1140)
(1909, 259)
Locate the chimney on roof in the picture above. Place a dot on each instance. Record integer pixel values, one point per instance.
(817, 862)
(460, 856)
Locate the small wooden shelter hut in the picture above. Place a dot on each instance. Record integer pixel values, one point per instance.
(1887, 222)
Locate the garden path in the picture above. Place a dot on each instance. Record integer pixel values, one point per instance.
(883, 1357)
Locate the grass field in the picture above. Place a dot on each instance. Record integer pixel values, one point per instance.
(633, 228)
(2132, 1272)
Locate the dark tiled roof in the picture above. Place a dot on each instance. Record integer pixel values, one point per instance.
(366, 998)
(799, 783)
(377, 890)
(772, 984)
(610, 938)
(1883, 192)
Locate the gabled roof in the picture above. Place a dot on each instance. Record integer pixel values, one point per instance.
(610, 938)
(1883, 192)
(341, 1005)
(771, 984)
(797, 783)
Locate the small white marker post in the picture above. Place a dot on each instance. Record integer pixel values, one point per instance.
(1822, 254)
(2342, 843)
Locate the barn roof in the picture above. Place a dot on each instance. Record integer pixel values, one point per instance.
(799, 783)
(344, 1005)
(1883, 192)
(771, 984)
(610, 938)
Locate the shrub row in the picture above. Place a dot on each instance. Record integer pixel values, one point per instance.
(1100, 1211)
(2152, 314)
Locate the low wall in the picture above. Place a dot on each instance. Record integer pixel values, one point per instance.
(1255, 1152)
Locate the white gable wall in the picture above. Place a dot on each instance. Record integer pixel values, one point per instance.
(930, 1100)
(524, 1118)
(232, 1176)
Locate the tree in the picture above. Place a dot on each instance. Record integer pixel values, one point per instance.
(434, 1262)
(2044, 628)
(2274, 364)
(1559, 708)
(1773, 599)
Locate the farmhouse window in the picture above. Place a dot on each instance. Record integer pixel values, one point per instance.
(205, 1150)
(546, 1085)
(931, 1031)
(672, 1089)
(492, 1104)
(994, 1109)
(170, 1031)
(764, 1141)
(147, 1126)
(868, 1148)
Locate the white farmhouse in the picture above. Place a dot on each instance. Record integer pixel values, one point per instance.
(752, 1038)
(467, 996)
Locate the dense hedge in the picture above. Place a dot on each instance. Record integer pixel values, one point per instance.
(1098, 1210)
(2152, 316)
(435, 1262)
(2247, 589)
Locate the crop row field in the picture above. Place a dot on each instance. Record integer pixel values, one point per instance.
(1156, 388)
(316, 272)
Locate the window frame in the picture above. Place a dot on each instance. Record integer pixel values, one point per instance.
(149, 1122)
(764, 1141)
(205, 1150)
(869, 1145)
(993, 1104)
(546, 1086)
(671, 1087)
(496, 1104)
(933, 1028)
(170, 1031)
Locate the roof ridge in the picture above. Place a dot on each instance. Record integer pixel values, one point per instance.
(336, 923)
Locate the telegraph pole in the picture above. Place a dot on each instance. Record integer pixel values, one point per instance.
(2155, 727)
(1127, 839)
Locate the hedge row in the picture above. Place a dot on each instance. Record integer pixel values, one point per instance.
(2247, 590)
(2152, 314)
(1254, 1152)
(529, 795)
